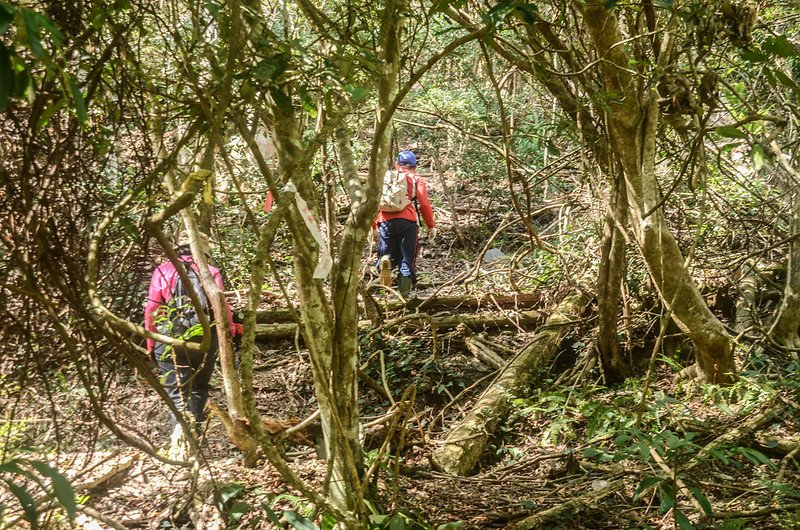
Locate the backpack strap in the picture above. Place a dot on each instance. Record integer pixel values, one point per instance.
(414, 199)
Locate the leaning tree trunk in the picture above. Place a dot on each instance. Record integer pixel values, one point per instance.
(464, 444)
(632, 133)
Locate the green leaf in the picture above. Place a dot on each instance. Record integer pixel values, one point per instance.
(645, 485)
(397, 522)
(701, 499)
(271, 515)
(611, 4)
(683, 521)
(525, 11)
(753, 56)
(48, 113)
(238, 510)
(32, 29)
(98, 18)
(23, 81)
(61, 486)
(622, 439)
(732, 524)
(722, 406)
(456, 525)
(77, 98)
(667, 498)
(300, 523)
(787, 81)
(356, 92)
(268, 70)
(378, 519)
(6, 17)
(13, 466)
(228, 492)
(55, 33)
(591, 452)
(779, 46)
(283, 101)
(27, 503)
(757, 153)
(755, 456)
(328, 522)
(728, 131)
(308, 104)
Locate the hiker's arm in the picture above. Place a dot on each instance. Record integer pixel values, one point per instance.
(425, 209)
(154, 300)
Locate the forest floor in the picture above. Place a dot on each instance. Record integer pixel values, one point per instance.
(548, 453)
(572, 450)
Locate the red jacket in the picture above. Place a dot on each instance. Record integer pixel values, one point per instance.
(161, 286)
(409, 212)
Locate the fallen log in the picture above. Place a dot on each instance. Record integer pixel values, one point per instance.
(436, 303)
(270, 332)
(472, 301)
(483, 353)
(465, 443)
(574, 505)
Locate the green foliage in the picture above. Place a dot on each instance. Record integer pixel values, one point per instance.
(35, 35)
(253, 508)
(36, 475)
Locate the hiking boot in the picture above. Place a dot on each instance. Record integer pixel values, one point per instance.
(180, 447)
(385, 268)
(404, 285)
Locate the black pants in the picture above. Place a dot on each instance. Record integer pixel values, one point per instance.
(187, 377)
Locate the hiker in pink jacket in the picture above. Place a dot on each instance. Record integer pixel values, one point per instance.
(187, 373)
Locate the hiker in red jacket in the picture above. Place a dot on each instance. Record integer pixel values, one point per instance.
(187, 373)
(398, 232)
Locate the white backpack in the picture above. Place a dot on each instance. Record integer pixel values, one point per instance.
(394, 197)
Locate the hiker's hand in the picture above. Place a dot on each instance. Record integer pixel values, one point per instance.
(432, 234)
(374, 235)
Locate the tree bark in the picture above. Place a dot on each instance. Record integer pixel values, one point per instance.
(465, 443)
(633, 118)
(783, 331)
(609, 285)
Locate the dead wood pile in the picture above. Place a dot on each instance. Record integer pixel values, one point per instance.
(465, 443)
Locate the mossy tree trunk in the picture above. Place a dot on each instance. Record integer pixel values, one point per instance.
(609, 285)
(632, 121)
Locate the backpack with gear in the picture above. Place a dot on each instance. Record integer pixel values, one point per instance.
(183, 319)
(394, 197)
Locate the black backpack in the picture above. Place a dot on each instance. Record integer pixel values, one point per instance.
(182, 318)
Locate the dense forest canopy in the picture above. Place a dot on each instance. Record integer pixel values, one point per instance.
(603, 334)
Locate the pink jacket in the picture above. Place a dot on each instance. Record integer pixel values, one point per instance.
(410, 213)
(161, 285)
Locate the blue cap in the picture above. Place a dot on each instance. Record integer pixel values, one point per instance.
(407, 158)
